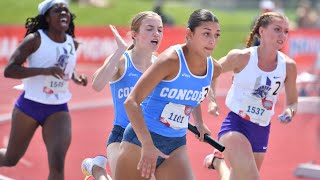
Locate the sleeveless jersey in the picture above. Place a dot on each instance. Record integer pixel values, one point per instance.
(122, 87)
(167, 109)
(254, 92)
(48, 89)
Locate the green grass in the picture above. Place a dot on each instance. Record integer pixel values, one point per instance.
(235, 25)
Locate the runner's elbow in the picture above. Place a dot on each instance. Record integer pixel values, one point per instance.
(97, 87)
(130, 102)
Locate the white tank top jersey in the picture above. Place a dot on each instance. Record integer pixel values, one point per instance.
(48, 89)
(254, 92)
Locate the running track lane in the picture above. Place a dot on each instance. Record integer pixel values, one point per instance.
(289, 144)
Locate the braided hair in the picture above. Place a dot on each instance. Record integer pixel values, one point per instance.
(39, 22)
(263, 21)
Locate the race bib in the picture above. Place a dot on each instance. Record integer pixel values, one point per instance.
(176, 116)
(256, 110)
(53, 85)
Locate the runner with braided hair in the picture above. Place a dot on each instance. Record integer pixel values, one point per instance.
(259, 74)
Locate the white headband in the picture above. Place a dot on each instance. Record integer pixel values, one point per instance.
(47, 4)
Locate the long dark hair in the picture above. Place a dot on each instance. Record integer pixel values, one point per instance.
(33, 24)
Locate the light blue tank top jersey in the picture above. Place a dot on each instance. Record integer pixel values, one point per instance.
(121, 88)
(185, 89)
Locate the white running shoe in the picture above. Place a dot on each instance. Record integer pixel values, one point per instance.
(87, 164)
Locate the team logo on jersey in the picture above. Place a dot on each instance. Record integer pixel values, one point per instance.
(261, 90)
(185, 75)
(62, 61)
(133, 74)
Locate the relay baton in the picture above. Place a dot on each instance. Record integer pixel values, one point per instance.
(207, 138)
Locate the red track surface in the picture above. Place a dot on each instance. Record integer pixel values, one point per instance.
(289, 144)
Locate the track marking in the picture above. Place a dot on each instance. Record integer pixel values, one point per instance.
(5, 141)
(5, 178)
(5, 117)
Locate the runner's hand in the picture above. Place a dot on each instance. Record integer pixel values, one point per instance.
(213, 108)
(286, 116)
(203, 129)
(54, 71)
(81, 80)
(120, 42)
(148, 160)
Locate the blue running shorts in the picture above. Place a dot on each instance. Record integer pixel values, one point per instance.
(116, 135)
(165, 144)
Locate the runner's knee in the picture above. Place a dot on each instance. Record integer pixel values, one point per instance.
(57, 158)
(8, 161)
(56, 163)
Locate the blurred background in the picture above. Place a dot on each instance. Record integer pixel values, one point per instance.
(236, 20)
(236, 16)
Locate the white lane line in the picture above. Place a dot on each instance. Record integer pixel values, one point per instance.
(25, 162)
(5, 117)
(2, 177)
(5, 141)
